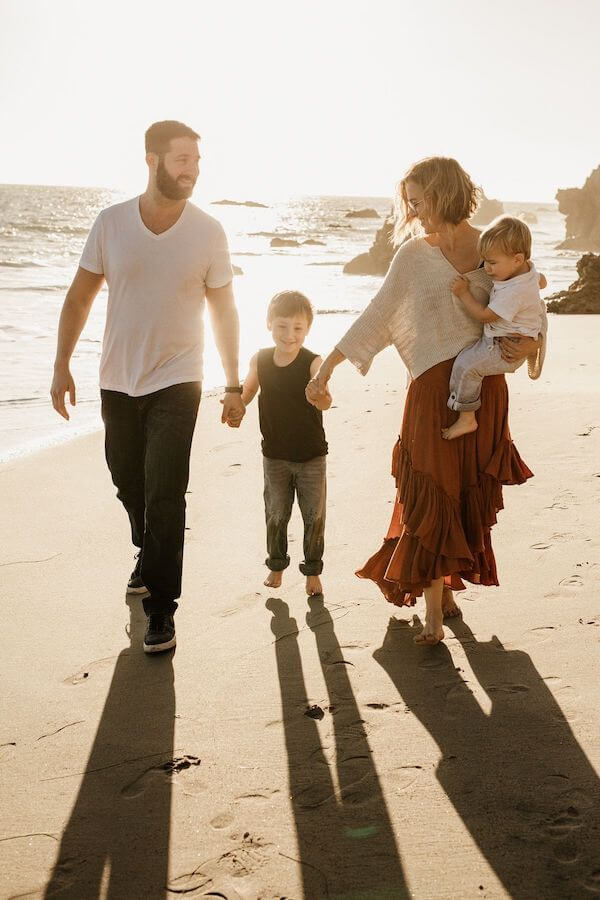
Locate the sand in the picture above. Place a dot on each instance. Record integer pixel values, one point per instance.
(460, 771)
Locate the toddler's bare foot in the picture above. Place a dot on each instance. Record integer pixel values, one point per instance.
(449, 607)
(465, 424)
(273, 579)
(313, 585)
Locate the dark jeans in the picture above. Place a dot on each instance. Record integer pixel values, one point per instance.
(283, 479)
(148, 442)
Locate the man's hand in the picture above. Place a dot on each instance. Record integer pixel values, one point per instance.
(514, 347)
(460, 286)
(61, 384)
(233, 410)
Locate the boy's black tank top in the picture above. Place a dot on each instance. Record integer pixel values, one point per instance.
(292, 428)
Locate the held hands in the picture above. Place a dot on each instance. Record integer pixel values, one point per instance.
(62, 383)
(460, 286)
(316, 389)
(234, 410)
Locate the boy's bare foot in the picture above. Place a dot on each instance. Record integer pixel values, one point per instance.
(313, 585)
(460, 427)
(273, 579)
(449, 606)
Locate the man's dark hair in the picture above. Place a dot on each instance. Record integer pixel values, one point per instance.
(160, 134)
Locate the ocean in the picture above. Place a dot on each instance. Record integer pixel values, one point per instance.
(42, 232)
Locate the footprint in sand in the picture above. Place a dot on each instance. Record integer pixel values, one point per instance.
(226, 446)
(166, 771)
(241, 603)
(564, 500)
(592, 882)
(571, 581)
(222, 820)
(93, 667)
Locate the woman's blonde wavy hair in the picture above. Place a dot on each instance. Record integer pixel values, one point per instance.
(448, 191)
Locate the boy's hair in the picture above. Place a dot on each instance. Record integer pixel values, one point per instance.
(290, 303)
(160, 134)
(510, 235)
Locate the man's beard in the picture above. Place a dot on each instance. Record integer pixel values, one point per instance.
(170, 187)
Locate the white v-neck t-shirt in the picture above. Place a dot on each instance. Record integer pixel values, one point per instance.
(154, 333)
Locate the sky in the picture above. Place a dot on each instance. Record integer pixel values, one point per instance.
(311, 97)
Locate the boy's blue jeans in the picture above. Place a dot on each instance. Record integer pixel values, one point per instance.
(306, 480)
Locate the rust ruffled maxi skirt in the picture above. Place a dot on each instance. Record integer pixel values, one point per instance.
(448, 492)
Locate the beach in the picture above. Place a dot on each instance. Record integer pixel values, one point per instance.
(306, 749)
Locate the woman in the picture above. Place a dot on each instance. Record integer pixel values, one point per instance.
(448, 493)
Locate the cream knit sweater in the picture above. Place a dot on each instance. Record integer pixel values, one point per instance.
(416, 311)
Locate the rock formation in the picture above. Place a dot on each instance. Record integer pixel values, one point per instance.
(487, 211)
(378, 258)
(363, 214)
(314, 243)
(284, 242)
(581, 206)
(583, 296)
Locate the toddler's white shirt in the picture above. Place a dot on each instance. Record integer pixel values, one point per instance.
(518, 303)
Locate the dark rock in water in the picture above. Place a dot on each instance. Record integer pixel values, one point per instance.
(581, 206)
(237, 270)
(529, 218)
(239, 203)
(583, 296)
(339, 226)
(363, 214)
(314, 243)
(487, 211)
(377, 260)
(284, 242)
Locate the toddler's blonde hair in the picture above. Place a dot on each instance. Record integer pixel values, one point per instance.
(509, 235)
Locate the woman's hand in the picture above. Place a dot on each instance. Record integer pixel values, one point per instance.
(514, 347)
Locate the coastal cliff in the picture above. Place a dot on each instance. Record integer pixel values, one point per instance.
(581, 206)
(583, 296)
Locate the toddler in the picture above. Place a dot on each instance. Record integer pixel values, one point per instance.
(515, 307)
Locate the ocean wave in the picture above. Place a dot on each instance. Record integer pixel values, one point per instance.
(13, 227)
(35, 288)
(338, 262)
(23, 264)
(337, 312)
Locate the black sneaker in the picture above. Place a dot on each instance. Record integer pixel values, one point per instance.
(160, 633)
(135, 585)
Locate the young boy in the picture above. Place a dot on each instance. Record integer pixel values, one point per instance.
(515, 307)
(293, 445)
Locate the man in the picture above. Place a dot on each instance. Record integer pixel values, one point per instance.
(161, 257)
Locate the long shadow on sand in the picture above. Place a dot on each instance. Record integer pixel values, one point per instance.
(345, 838)
(116, 842)
(517, 777)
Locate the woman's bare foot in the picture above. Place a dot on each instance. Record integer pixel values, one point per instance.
(273, 579)
(449, 607)
(313, 585)
(465, 424)
(432, 632)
